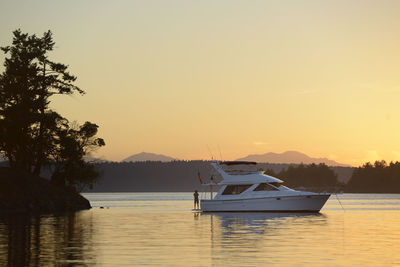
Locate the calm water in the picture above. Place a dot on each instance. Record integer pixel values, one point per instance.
(159, 229)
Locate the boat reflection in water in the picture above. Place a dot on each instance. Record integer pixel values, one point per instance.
(231, 223)
(256, 235)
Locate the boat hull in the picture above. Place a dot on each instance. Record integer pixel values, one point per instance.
(298, 203)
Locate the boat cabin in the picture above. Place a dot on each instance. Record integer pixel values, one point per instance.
(250, 183)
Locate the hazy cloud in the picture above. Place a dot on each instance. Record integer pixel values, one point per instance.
(376, 88)
(372, 156)
(261, 143)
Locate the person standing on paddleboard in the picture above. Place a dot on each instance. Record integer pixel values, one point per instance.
(196, 199)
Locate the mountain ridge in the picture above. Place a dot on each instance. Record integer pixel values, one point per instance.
(290, 157)
(145, 156)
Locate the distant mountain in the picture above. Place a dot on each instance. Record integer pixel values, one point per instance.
(148, 157)
(290, 157)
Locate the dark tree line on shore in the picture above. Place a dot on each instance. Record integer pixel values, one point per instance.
(379, 177)
(153, 176)
(308, 176)
(32, 135)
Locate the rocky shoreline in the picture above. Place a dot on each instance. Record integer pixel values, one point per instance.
(23, 192)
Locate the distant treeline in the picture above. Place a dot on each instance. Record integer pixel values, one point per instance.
(182, 176)
(379, 177)
(317, 176)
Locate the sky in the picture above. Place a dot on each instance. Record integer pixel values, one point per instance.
(186, 78)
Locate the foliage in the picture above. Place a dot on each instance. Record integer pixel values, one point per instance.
(73, 143)
(31, 134)
(174, 176)
(28, 81)
(376, 178)
(311, 175)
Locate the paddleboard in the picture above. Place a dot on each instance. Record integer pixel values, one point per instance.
(196, 210)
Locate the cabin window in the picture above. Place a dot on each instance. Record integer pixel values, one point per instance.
(265, 187)
(235, 189)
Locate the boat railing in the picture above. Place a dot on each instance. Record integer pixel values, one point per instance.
(239, 172)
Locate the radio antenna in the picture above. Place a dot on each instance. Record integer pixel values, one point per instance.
(212, 157)
(220, 153)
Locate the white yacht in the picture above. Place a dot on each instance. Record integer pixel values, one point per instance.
(256, 191)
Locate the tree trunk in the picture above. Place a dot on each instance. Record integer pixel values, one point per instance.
(39, 156)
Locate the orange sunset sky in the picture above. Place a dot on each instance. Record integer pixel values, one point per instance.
(171, 77)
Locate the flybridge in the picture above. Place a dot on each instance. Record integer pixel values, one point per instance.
(240, 176)
(236, 163)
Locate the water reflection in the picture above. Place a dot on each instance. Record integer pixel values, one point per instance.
(259, 222)
(235, 236)
(167, 233)
(44, 240)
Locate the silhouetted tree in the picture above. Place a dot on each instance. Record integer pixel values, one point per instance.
(311, 175)
(375, 178)
(27, 83)
(73, 143)
(30, 132)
